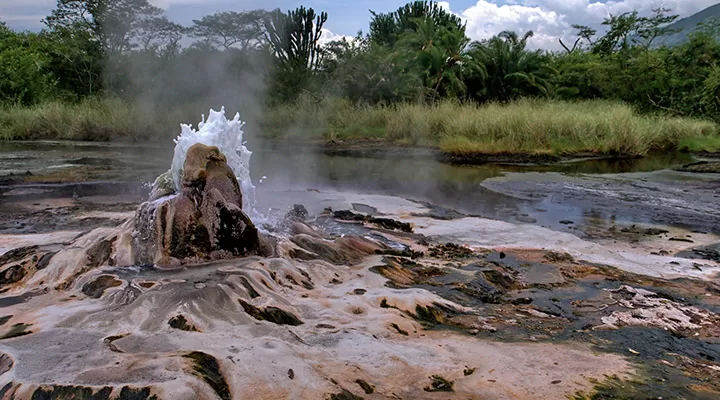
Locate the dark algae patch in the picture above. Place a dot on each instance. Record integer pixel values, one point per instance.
(251, 290)
(385, 223)
(17, 330)
(366, 387)
(614, 387)
(436, 314)
(6, 364)
(129, 393)
(271, 314)
(109, 342)
(180, 322)
(398, 329)
(100, 253)
(439, 384)
(450, 251)
(70, 392)
(96, 288)
(17, 254)
(12, 274)
(345, 395)
(403, 272)
(44, 261)
(669, 366)
(207, 368)
(90, 393)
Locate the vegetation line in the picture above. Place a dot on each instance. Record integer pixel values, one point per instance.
(521, 127)
(121, 70)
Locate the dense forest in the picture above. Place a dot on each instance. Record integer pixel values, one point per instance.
(128, 50)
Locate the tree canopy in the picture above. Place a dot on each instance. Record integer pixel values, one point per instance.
(419, 52)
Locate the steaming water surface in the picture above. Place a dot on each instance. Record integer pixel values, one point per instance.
(562, 196)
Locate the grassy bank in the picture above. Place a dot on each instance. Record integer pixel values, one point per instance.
(95, 120)
(523, 127)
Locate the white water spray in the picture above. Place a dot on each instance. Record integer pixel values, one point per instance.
(227, 135)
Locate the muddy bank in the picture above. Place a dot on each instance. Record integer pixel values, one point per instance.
(707, 154)
(702, 167)
(382, 149)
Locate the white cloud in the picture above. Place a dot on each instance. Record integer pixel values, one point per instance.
(551, 20)
(327, 36)
(164, 4)
(444, 5)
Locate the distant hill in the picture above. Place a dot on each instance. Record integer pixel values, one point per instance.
(687, 26)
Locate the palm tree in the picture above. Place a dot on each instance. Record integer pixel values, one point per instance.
(511, 70)
(439, 56)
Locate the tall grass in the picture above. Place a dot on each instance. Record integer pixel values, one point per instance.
(534, 126)
(96, 119)
(522, 127)
(327, 119)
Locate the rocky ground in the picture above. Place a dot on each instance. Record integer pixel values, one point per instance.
(405, 306)
(369, 296)
(582, 202)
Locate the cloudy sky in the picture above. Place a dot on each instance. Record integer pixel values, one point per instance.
(549, 19)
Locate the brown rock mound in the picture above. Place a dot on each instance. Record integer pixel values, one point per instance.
(203, 221)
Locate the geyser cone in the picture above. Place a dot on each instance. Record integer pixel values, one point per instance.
(203, 221)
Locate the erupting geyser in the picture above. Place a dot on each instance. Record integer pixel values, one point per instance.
(227, 136)
(200, 217)
(218, 131)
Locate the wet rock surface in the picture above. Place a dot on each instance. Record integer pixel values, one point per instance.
(203, 221)
(42, 207)
(296, 315)
(545, 296)
(663, 198)
(385, 223)
(348, 308)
